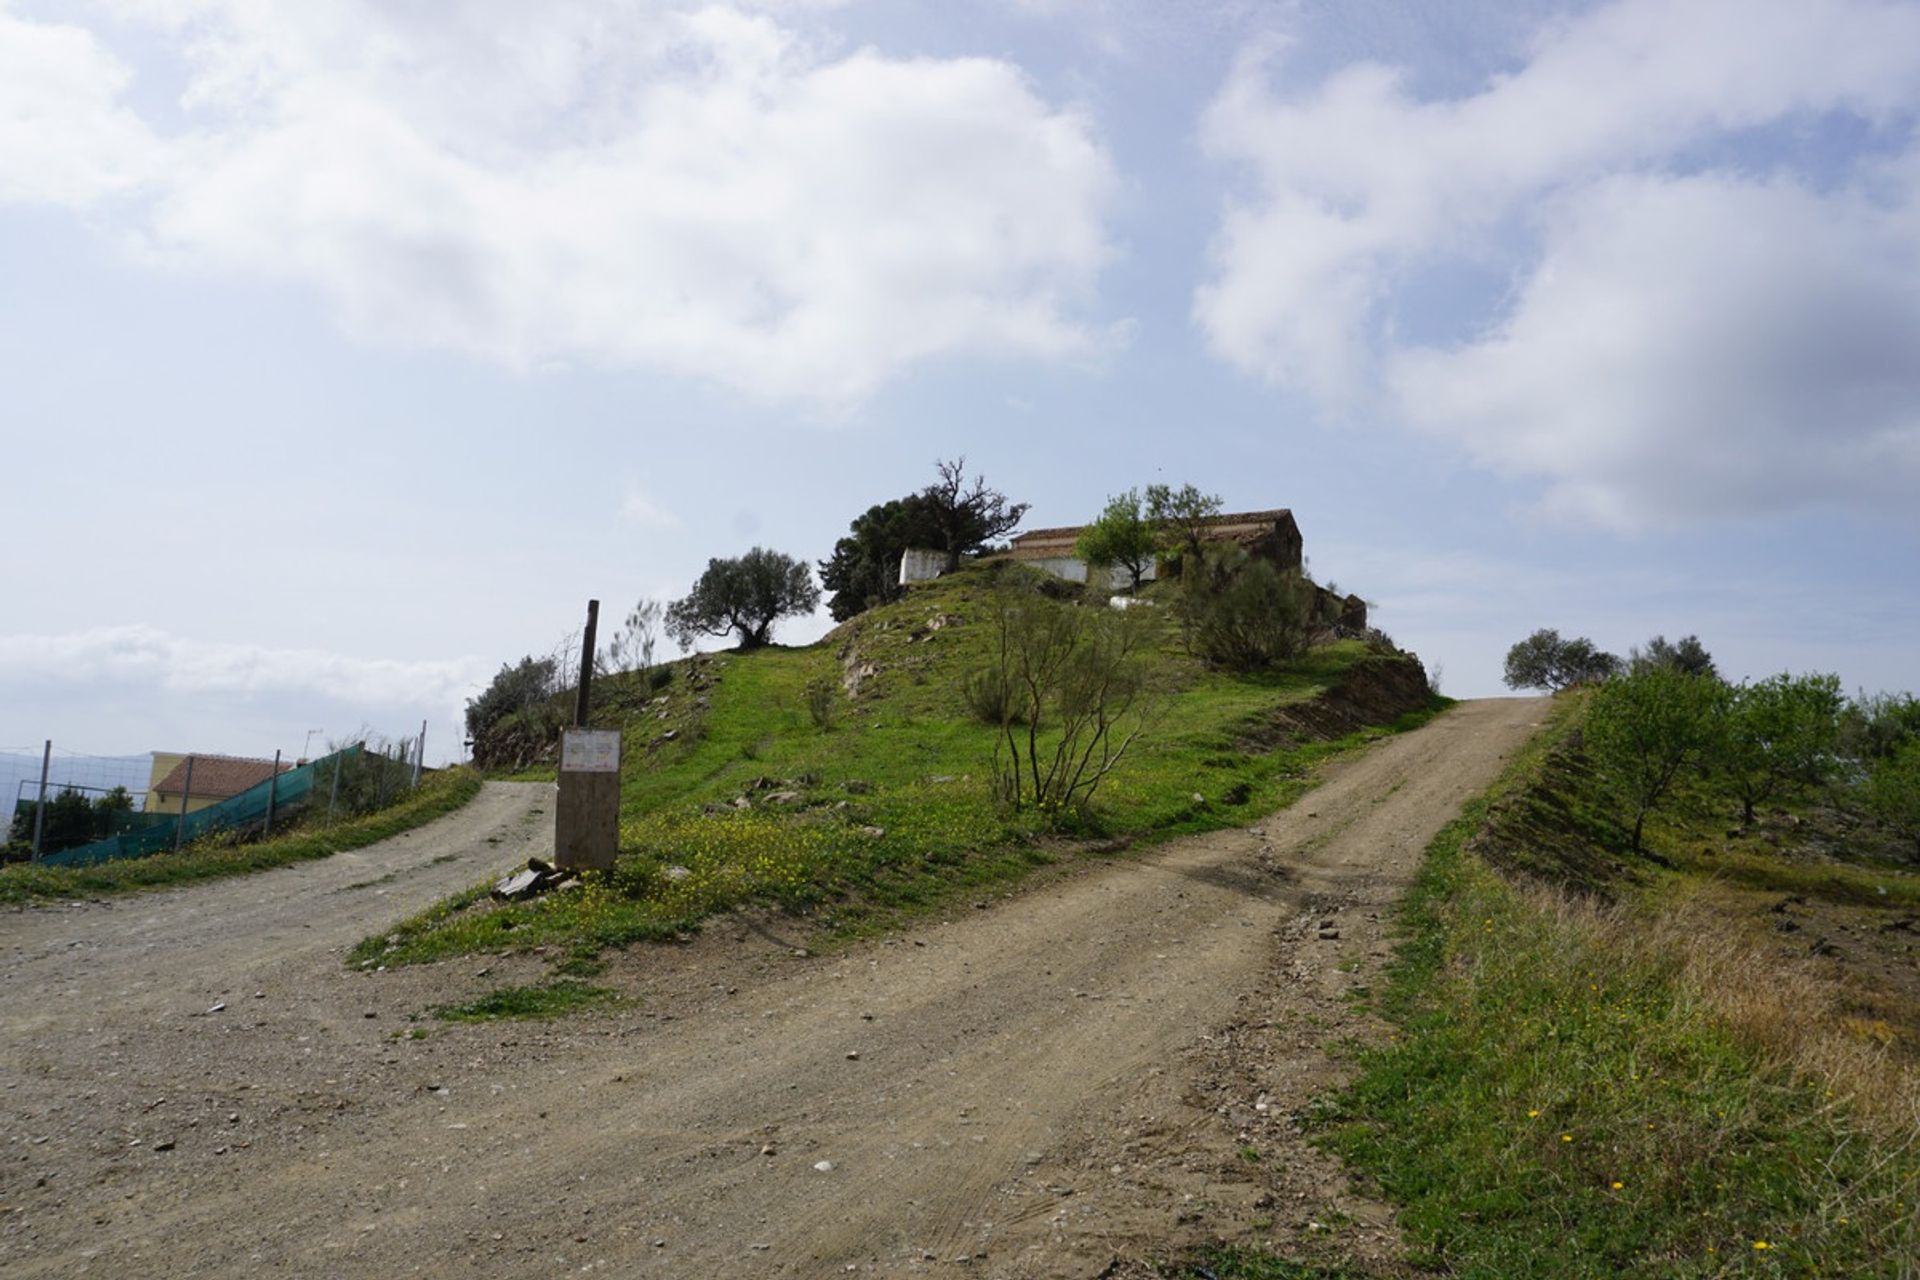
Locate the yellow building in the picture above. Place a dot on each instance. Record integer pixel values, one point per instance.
(215, 778)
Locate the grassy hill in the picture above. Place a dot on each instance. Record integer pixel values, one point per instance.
(733, 791)
(1697, 1061)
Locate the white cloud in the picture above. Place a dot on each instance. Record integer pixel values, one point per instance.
(1687, 334)
(703, 191)
(1697, 345)
(63, 137)
(641, 509)
(161, 662)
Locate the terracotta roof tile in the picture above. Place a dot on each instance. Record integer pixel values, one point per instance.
(218, 776)
(1225, 518)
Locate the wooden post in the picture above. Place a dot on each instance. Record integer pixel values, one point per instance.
(333, 792)
(582, 704)
(586, 820)
(419, 753)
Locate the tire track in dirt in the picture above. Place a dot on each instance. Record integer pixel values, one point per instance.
(1031, 1088)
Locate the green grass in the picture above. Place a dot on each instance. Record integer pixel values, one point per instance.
(895, 813)
(439, 793)
(1241, 1264)
(1835, 882)
(1551, 1106)
(542, 1001)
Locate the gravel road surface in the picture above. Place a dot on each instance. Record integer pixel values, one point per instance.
(1064, 1082)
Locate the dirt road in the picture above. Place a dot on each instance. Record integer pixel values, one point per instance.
(1105, 1064)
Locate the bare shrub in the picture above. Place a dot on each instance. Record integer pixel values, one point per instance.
(631, 648)
(1071, 694)
(820, 704)
(990, 697)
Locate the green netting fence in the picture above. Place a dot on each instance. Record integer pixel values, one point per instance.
(351, 770)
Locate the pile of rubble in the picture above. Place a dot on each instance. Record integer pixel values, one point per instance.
(539, 877)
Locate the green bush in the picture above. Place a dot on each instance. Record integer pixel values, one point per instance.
(1892, 792)
(1243, 612)
(1778, 731)
(1645, 729)
(1875, 726)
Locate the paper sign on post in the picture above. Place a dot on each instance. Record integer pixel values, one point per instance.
(590, 751)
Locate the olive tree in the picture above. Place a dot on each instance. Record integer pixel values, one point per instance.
(1687, 656)
(1545, 661)
(1645, 729)
(1778, 731)
(1875, 726)
(1892, 792)
(1121, 536)
(744, 597)
(1180, 518)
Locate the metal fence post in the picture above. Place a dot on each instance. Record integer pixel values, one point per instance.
(40, 805)
(333, 792)
(419, 753)
(186, 794)
(273, 794)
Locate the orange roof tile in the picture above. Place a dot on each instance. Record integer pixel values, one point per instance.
(218, 776)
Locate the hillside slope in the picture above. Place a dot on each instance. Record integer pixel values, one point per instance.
(1693, 1061)
(733, 791)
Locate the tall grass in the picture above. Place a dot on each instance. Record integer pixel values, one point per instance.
(1577, 1089)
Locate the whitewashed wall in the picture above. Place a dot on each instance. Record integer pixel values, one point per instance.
(921, 566)
(925, 566)
(1061, 567)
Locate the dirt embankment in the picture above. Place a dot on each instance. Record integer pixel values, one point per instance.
(1377, 691)
(1062, 1083)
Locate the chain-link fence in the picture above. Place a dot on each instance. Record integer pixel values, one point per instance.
(77, 823)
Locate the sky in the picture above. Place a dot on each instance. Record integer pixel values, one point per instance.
(346, 350)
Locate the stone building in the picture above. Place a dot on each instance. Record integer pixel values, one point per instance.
(1273, 535)
(1270, 534)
